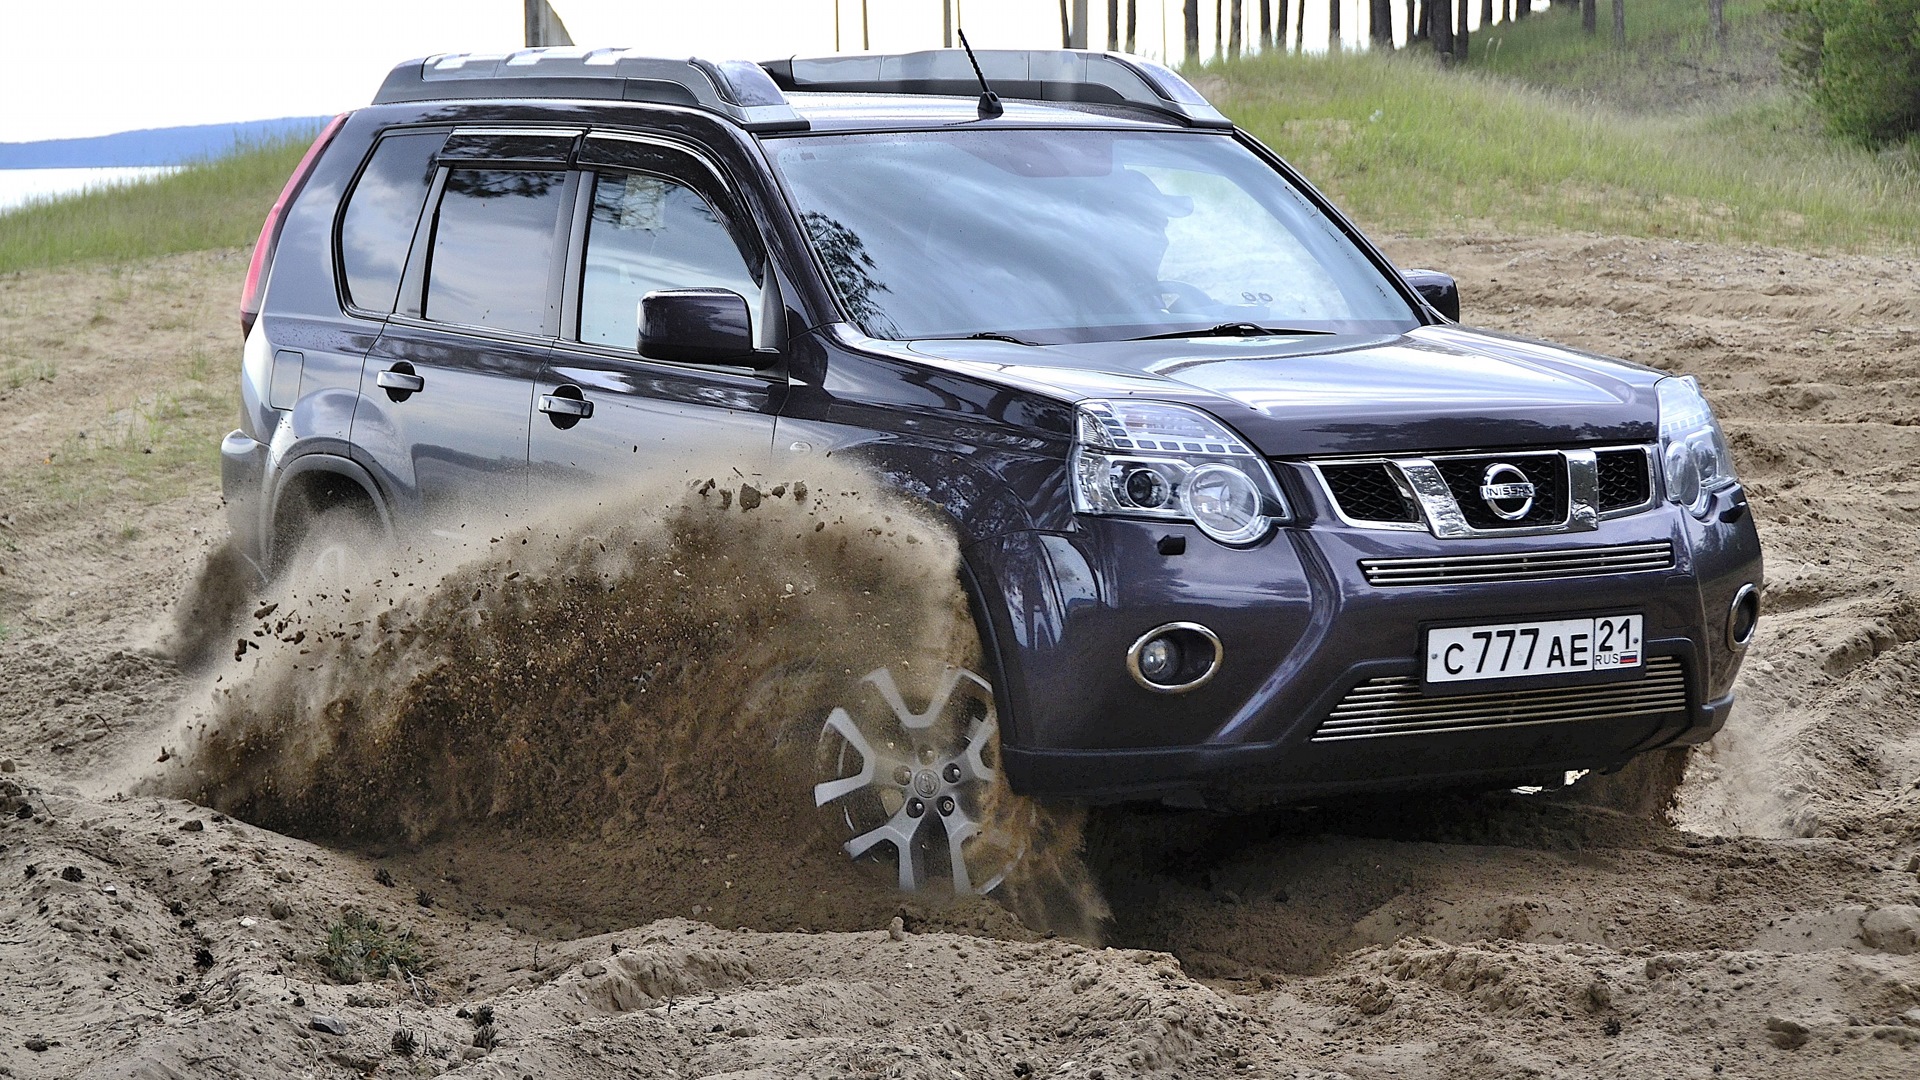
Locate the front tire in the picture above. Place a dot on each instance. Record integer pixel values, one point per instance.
(923, 787)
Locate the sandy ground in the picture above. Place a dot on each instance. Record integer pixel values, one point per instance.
(1770, 930)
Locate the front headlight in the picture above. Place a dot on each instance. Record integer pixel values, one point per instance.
(1175, 463)
(1694, 461)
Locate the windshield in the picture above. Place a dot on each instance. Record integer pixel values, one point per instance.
(1061, 235)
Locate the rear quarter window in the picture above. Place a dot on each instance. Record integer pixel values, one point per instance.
(377, 227)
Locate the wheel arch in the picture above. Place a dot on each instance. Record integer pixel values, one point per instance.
(315, 483)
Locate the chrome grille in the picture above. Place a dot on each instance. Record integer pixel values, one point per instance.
(1379, 708)
(1520, 565)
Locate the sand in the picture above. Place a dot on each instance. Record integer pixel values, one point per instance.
(614, 922)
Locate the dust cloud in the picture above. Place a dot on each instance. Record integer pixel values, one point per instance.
(605, 710)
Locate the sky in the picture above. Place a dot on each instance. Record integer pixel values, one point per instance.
(74, 68)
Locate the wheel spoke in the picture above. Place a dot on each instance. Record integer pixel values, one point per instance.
(898, 831)
(976, 767)
(960, 828)
(841, 724)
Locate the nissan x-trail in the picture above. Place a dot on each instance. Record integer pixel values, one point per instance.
(1243, 512)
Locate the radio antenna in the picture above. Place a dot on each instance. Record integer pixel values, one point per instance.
(990, 106)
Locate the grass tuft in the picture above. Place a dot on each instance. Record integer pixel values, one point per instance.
(358, 948)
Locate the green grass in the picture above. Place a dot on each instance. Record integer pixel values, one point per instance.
(1402, 143)
(212, 204)
(358, 947)
(1672, 60)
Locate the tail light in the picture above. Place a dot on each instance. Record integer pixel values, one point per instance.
(270, 231)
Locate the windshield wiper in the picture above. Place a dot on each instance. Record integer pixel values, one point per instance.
(1230, 329)
(984, 335)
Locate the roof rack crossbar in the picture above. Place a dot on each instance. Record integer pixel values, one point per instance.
(736, 89)
(1040, 75)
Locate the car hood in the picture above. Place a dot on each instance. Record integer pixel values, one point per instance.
(1433, 388)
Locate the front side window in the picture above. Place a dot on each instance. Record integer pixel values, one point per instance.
(647, 234)
(494, 247)
(376, 231)
(1074, 235)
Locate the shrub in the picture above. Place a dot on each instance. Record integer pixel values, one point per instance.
(1860, 61)
(357, 948)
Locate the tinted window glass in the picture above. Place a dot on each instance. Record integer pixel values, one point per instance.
(1074, 236)
(647, 234)
(377, 229)
(493, 248)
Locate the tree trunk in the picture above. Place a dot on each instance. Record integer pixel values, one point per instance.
(1522, 8)
(1486, 13)
(1219, 28)
(1238, 14)
(1588, 13)
(1266, 25)
(1333, 25)
(1620, 23)
(1280, 25)
(1066, 26)
(1133, 22)
(1381, 30)
(1190, 14)
(1461, 52)
(1113, 25)
(1300, 27)
(1440, 27)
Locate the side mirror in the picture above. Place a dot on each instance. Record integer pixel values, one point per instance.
(1438, 288)
(696, 326)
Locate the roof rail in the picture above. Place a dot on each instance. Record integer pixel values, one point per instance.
(1043, 75)
(736, 89)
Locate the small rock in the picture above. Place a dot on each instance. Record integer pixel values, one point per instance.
(1599, 995)
(1911, 1018)
(331, 1025)
(897, 929)
(279, 909)
(94, 735)
(193, 825)
(749, 496)
(1894, 929)
(593, 969)
(7, 765)
(1786, 1034)
(473, 1053)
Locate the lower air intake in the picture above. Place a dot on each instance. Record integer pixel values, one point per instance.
(1383, 707)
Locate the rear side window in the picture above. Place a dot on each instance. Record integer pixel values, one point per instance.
(494, 248)
(649, 233)
(377, 229)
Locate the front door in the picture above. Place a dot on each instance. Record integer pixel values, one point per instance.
(649, 217)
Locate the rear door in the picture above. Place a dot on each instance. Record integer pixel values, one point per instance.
(652, 215)
(446, 393)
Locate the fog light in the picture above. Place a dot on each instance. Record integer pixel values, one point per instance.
(1743, 616)
(1175, 658)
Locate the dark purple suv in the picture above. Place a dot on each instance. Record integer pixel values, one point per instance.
(1245, 514)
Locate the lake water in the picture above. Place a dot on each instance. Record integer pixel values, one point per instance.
(21, 186)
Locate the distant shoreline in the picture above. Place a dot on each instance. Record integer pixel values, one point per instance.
(24, 187)
(152, 147)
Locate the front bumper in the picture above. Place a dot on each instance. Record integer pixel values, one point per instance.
(1302, 627)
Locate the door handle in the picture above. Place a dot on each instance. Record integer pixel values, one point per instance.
(399, 381)
(566, 406)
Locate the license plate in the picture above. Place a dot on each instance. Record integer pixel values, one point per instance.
(1515, 650)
